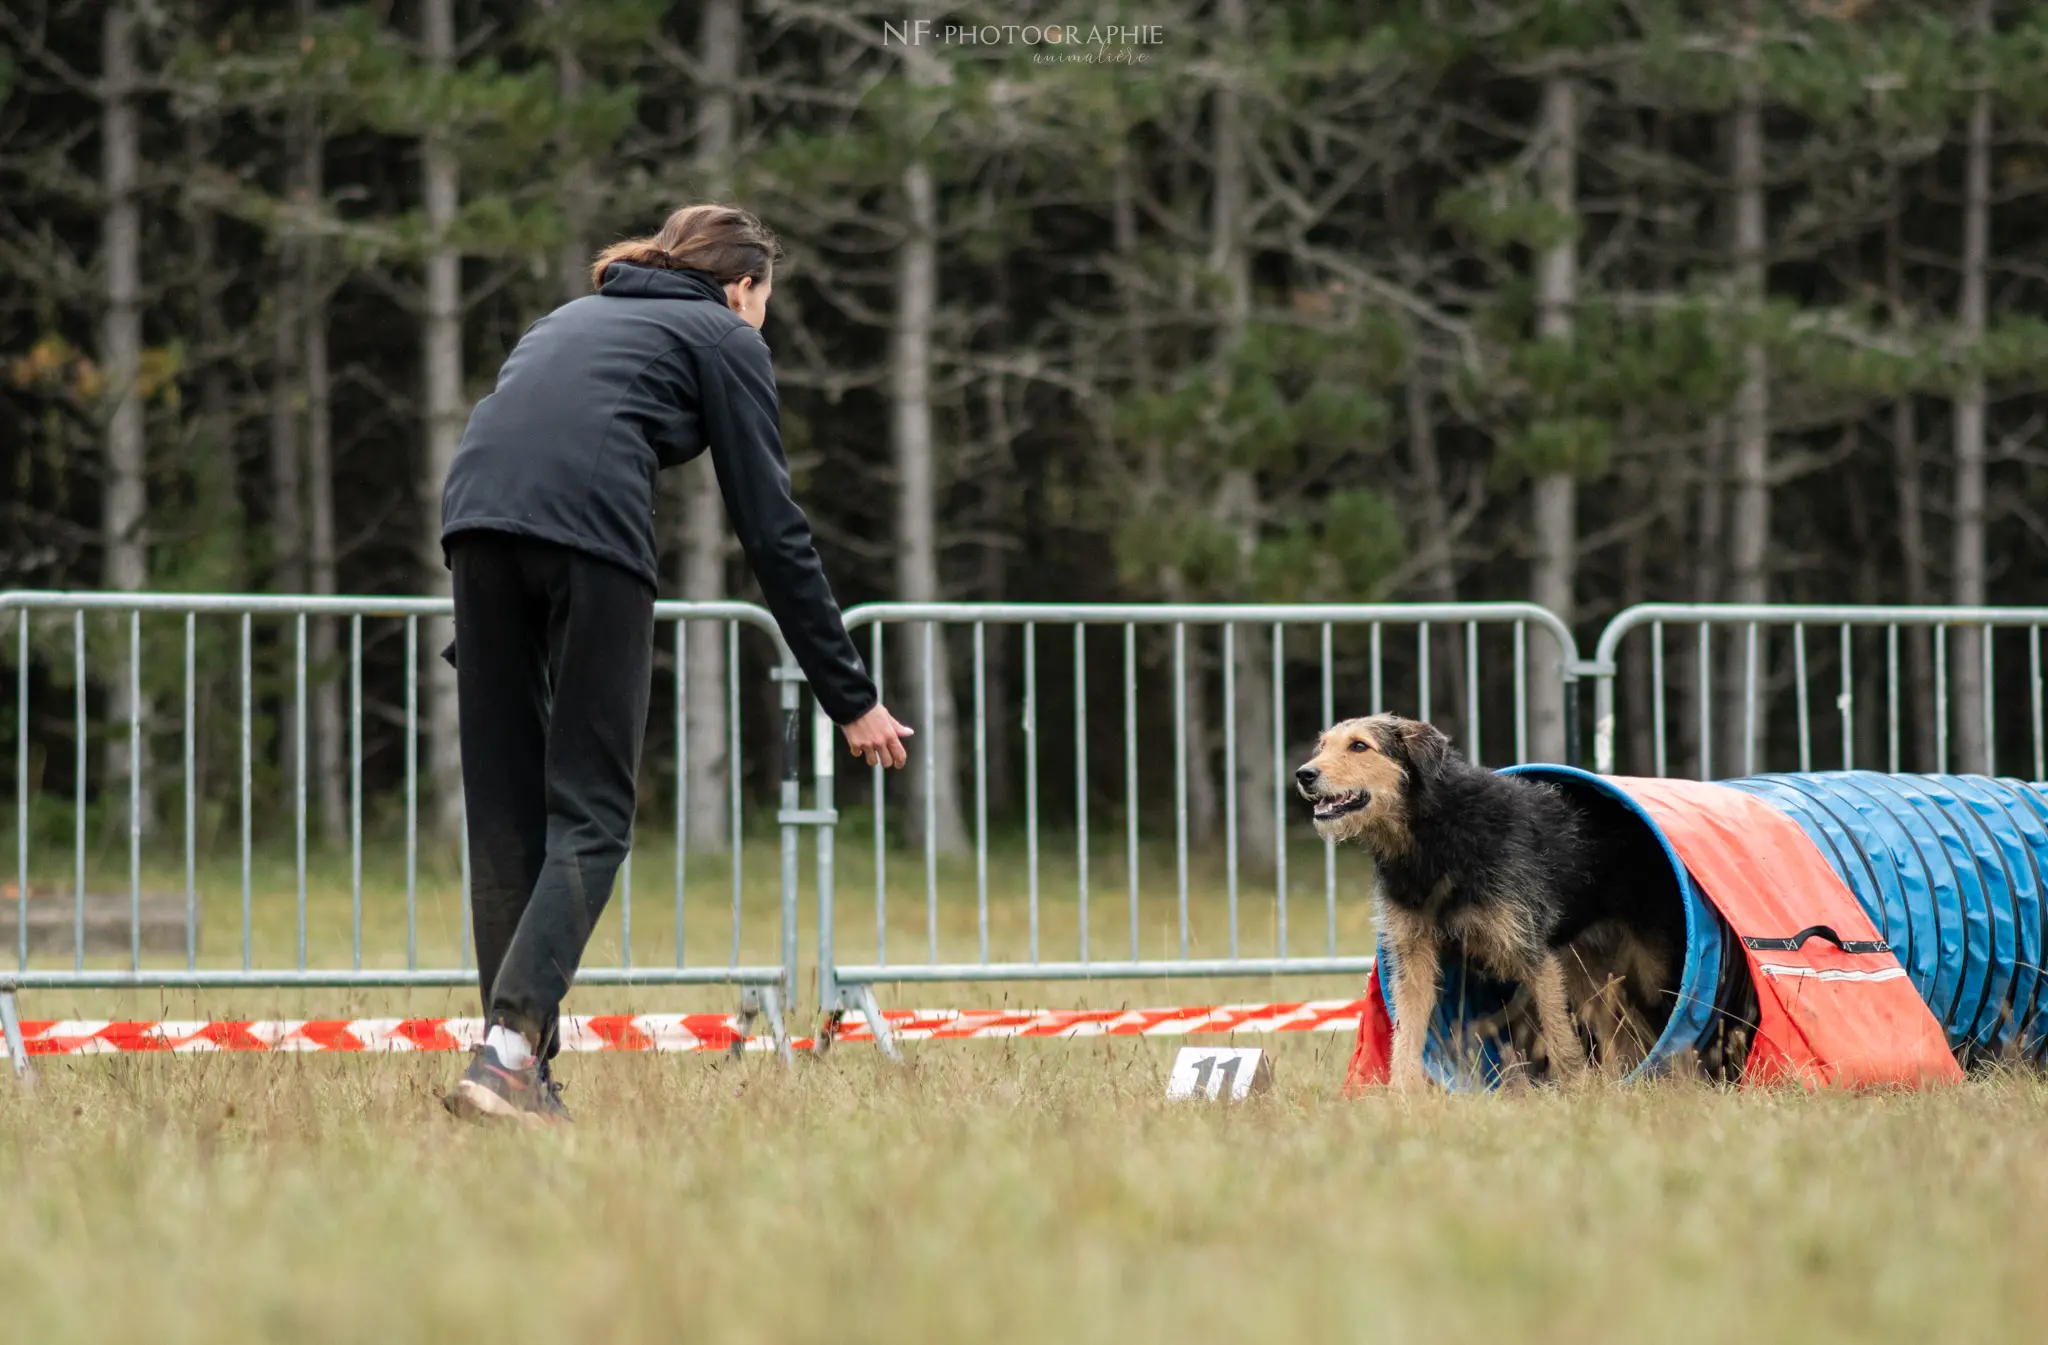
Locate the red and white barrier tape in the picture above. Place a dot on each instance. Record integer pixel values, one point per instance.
(678, 1031)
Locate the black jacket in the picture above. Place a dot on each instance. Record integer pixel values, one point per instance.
(605, 391)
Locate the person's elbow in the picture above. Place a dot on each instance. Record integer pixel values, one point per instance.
(778, 548)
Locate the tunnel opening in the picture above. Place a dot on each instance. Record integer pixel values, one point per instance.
(1659, 985)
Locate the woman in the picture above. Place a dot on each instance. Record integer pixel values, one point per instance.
(547, 521)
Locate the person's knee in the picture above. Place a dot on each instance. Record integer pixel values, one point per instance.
(590, 823)
(592, 844)
(596, 849)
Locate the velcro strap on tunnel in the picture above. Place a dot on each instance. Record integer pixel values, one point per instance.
(1793, 944)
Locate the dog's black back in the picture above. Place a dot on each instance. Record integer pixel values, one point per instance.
(1478, 838)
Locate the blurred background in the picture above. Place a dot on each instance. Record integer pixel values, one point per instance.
(1190, 300)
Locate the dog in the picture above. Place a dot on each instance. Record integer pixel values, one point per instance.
(1506, 871)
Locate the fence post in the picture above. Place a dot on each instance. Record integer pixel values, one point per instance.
(1603, 723)
(790, 816)
(823, 751)
(1570, 691)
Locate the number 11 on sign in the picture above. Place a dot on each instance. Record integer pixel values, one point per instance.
(1219, 1073)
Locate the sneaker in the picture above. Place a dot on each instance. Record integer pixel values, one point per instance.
(490, 1091)
(549, 1100)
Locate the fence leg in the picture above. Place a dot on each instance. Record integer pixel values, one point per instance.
(17, 1050)
(755, 1001)
(750, 1008)
(771, 1004)
(832, 1009)
(791, 810)
(885, 1040)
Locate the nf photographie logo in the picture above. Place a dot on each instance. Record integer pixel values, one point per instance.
(1110, 44)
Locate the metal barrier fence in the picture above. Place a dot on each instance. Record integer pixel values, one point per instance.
(1194, 693)
(1254, 755)
(767, 982)
(1758, 713)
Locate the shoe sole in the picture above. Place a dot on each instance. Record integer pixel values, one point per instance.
(474, 1102)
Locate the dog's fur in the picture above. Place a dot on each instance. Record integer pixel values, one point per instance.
(1506, 871)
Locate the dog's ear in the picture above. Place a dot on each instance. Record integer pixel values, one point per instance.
(1422, 745)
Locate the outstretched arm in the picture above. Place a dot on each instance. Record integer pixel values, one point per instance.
(744, 425)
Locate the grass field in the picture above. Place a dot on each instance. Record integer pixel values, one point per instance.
(984, 1191)
(1001, 1192)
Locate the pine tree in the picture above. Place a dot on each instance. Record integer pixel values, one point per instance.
(124, 517)
(483, 131)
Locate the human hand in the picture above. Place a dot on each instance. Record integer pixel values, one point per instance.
(877, 738)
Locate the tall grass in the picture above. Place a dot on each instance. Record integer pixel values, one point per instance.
(1004, 1192)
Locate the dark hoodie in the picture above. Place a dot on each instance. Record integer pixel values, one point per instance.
(605, 391)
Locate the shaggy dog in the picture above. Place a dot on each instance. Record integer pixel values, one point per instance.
(1506, 871)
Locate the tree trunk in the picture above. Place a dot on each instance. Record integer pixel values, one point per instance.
(1750, 512)
(1002, 692)
(1205, 802)
(1439, 579)
(442, 353)
(1973, 751)
(1154, 483)
(1640, 756)
(931, 710)
(1123, 218)
(1241, 506)
(1000, 487)
(1918, 709)
(1867, 739)
(1907, 475)
(705, 541)
(1258, 830)
(578, 187)
(210, 463)
(211, 467)
(1552, 581)
(330, 746)
(1709, 549)
(125, 509)
(287, 520)
(1425, 466)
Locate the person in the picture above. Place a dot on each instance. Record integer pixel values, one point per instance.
(547, 523)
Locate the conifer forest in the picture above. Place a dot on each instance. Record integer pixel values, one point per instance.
(1580, 302)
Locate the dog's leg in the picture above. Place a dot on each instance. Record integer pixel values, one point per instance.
(1648, 990)
(1594, 1009)
(1553, 1019)
(1619, 1029)
(1416, 971)
(1590, 997)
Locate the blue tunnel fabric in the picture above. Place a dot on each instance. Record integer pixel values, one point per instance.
(1891, 883)
(2030, 813)
(2004, 831)
(1952, 870)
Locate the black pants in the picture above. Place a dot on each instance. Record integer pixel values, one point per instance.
(553, 652)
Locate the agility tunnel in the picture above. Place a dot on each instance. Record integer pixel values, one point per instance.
(1844, 928)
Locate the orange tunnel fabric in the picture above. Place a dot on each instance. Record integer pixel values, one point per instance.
(1829, 1016)
(1825, 1016)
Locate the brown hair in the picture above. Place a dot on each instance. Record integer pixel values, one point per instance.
(724, 240)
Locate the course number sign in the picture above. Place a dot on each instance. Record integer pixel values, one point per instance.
(1219, 1073)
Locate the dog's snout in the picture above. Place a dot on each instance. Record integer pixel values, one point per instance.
(1307, 776)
